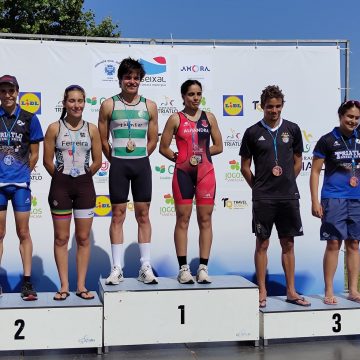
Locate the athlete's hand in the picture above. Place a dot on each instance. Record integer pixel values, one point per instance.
(317, 210)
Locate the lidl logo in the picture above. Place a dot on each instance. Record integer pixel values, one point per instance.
(102, 206)
(233, 105)
(30, 101)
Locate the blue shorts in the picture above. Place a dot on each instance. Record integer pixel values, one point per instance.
(19, 196)
(341, 220)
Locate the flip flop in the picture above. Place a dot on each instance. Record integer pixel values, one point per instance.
(298, 301)
(330, 300)
(354, 299)
(262, 303)
(61, 293)
(82, 295)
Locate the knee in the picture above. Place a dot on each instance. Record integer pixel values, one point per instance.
(334, 245)
(118, 218)
(262, 245)
(352, 245)
(183, 220)
(62, 240)
(287, 246)
(82, 239)
(204, 221)
(23, 233)
(142, 217)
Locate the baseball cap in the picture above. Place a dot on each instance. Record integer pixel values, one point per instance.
(9, 79)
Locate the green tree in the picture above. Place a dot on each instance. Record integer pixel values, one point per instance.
(53, 17)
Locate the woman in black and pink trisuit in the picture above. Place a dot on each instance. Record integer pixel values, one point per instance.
(193, 175)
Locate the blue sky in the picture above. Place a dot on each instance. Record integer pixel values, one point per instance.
(239, 19)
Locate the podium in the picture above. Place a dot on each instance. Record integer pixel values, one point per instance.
(281, 320)
(49, 324)
(169, 312)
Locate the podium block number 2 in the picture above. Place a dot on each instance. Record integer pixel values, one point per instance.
(182, 314)
(21, 324)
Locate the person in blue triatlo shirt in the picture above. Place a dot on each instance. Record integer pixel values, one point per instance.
(20, 135)
(339, 208)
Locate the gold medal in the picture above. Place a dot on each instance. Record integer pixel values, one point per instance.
(130, 146)
(354, 181)
(277, 170)
(194, 160)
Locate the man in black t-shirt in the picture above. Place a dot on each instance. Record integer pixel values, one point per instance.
(275, 145)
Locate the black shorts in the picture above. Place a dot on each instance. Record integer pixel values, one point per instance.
(124, 171)
(285, 214)
(67, 193)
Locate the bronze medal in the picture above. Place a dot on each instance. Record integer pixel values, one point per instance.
(130, 146)
(194, 160)
(277, 170)
(354, 181)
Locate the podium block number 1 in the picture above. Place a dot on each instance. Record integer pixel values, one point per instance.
(182, 314)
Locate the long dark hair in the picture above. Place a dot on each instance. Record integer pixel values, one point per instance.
(66, 94)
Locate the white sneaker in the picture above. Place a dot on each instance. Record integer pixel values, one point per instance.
(184, 276)
(115, 277)
(202, 276)
(146, 275)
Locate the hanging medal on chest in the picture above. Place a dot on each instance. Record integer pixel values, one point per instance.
(194, 161)
(354, 181)
(74, 172)
(130, 145)
(277, 170)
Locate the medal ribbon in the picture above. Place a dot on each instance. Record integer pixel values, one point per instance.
(128, 120)
(8, 132)
(73, 145)
(353, 163)
(274, 144)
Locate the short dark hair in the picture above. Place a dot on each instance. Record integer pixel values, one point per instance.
(185, 86)
(129, 65)
(271, 92)
(346, 105)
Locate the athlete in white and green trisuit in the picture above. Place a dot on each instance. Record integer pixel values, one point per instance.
(133, 123)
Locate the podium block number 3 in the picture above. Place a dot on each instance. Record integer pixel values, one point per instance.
(337, 327)
(21, 324)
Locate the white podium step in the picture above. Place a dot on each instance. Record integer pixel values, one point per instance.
(135, 313)
(281, 320)
(49, 324)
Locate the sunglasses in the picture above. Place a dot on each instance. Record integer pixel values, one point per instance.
(351, 103)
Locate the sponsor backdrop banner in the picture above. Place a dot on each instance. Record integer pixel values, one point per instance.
(233, 78)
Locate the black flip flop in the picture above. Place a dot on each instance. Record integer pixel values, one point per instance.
(296, 301)
(82, 293)
(61, 293)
